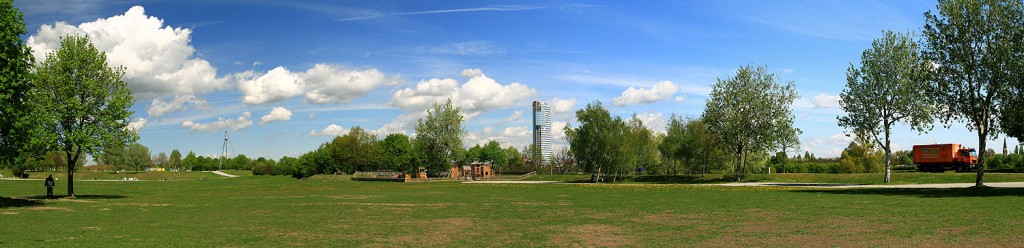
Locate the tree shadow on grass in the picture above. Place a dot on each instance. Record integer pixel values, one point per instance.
(926, 193)
(7, 202)
(80, 197)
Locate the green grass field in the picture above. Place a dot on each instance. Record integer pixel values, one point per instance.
(335, 211)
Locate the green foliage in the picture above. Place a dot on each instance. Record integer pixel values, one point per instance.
(596, 143)
(515, 159)
(439, 137)
(886, 90)
(82, 104)
(132, 157)
(174, 161)
(639, 146)
(750, 112)
(397, 149)
(357, 150)
(861, 156)
(15, 64)
(976, 45)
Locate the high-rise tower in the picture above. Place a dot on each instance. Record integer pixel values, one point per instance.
(541, 133)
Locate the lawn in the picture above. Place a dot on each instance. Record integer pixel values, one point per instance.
(335, 211)
(859, 178)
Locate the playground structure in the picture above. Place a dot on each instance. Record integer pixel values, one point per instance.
(475, 171)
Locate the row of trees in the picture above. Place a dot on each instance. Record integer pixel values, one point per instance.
(969, 69)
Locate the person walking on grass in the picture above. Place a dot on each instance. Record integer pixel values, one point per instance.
(49, 186)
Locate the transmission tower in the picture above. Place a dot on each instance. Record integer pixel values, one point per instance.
(224, 150)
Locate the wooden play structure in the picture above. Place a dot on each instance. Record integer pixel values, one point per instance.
(474, 171)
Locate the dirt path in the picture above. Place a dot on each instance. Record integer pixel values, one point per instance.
(223, 174)
(888, 186)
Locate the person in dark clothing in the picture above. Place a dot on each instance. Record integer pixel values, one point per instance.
(49, 186)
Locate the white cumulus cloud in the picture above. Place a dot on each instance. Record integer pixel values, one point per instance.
(654, 121)
(137, 124)
(477, 95)
(826, 101)
(320, 84)
(180, 103)
(274, 86)
(276, 114)
(660, 91)
(326, 83)
(159, 60)
(330, 130)
(243, 121)
(559, 105)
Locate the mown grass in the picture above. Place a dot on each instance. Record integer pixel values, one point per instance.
(136, 175)
(859, 178)
(331, 210)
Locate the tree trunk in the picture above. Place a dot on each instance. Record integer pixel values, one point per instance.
(888, 156)
(71, 173)
(980, 180)
(739, 163)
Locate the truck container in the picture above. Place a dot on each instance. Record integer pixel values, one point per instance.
(943, 157)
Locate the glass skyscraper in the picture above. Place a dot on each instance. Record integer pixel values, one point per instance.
(541, 133)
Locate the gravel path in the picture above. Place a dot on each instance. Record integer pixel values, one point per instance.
(223, 174)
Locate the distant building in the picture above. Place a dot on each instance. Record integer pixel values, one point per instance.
(541, 133)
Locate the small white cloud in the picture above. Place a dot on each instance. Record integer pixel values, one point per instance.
(559, 106)
(654, 121)
(558, 130)
(180, 103)
(330, 130)
(826, 101)
(515, 116)
(276, 114)
(221, 124)
(787, 70)
(660, 91)
(311, 115)
(136, 125)
(472, 73)
(257, 63)
(274, 86)
(680, 98)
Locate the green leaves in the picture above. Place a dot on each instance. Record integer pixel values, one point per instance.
(16, 126)
(976, 45)
(750, 112)
(81, 104)
(439, 136)
(887, 89)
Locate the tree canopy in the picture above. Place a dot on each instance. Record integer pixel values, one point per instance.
(439, 136)
(977, 51)
(83, 105)
(750, 112)
(886, 90)
(15, 64)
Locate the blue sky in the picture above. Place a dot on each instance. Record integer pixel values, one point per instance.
(283, 77)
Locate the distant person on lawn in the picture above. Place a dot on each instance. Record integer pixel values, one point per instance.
(49, 186)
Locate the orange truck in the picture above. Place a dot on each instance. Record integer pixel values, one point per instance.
(943, 157)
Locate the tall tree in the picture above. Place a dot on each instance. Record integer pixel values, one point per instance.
(397, 151)
(15, 64)
(639, 145)
(83, 103)
(750, 112)
(673, 145)
(976, 47)
(174, 161)
(440, 136)
(886, 90)
(596, 143)
(160, 159)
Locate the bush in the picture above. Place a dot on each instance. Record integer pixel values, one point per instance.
(817, 166)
